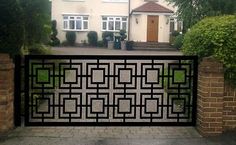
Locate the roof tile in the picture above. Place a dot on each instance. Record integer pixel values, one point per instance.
(152, 7)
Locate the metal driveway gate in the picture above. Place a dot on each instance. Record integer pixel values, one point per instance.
(109, 90)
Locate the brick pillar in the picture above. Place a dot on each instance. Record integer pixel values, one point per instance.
(6, 93)
(210, 97)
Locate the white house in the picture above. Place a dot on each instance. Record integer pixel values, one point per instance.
(144, 20)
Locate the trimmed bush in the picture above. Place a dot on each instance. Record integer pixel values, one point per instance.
(92, 38)
(178, 42)
(213, 36)
(54, 40)
(123, 35)
(175, 33)
(71, 37)
(39, 49)
(107, 36)
(100, 44)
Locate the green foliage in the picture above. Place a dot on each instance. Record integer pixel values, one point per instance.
(107, 36)
(11, 27)
(215, 36)
(178, 42)
(129, 45)
(123, 35)
(39, 49)
(36, 21)
(100, 44)
(71, 37)
(175, 33)
(191, 11)
(54, 40)
(92, 38)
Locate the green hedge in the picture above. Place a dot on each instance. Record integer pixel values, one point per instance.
(71, 37)
(178, 42)
(92, 38)
(213, 36)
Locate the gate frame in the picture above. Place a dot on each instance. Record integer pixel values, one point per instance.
(105, 57)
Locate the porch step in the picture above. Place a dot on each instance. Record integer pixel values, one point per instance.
(152, 45)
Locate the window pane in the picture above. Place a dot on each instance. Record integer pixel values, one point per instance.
(78, 18)
(117, 25)
(72, 17)
(104, 25)
(104, 18)
(85, 18)
(124, 19)
(85, 25)
(111, 25)
(72, 24)
(65, 25)
(65, 17)
(111, 19)
(78, 25)
(118, 19)
(124, 25)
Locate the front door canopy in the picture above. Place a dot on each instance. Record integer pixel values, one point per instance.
(152, 8)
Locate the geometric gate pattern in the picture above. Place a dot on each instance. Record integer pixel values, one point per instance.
(110, 90)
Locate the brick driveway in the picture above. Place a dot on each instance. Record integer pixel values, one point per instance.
(113, 136)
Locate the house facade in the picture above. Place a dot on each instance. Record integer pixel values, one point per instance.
(144, 20)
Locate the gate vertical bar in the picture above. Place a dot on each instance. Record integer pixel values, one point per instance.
(26, 79)
(17, 92)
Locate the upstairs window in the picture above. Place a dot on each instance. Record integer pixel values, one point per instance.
(114, 23)
(75, 22)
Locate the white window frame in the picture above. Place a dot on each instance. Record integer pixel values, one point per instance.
(77, 18)
(114, 20)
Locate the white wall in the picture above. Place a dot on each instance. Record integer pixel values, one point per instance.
(96, 8)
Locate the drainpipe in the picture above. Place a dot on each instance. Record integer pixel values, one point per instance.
(129, 5)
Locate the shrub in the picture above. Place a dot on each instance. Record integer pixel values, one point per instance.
(107, 36)
(92, 38)
(175, 33)
(100, 44)
(39, 49)
(129, 45)
(71, 37)
(11, 27)
(178, 42)
(54, 40)
(213, 36)
(123, 35)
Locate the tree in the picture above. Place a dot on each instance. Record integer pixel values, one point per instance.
(191, 11)
(11, 27)
(36, 21)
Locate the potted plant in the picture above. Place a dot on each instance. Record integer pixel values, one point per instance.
(123, 36)
(108, 38)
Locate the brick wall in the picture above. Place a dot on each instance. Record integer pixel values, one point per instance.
(216, 108)
(229, 110)
(6, 93)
